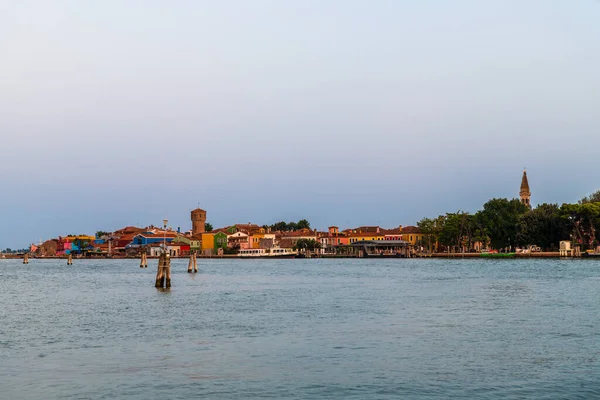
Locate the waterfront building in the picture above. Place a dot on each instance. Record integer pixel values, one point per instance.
(364, 233)
(393, 234)
(332, 238)
(213, 241)
(262, 239)
(525, 192)
(292, 237)
(239, 240)
(147, 238)
(412, 235)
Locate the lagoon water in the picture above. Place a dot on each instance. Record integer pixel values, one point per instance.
(301, 329)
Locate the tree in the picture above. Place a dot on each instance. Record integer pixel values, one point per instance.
(457, 230)
(427, 226)
(100, 234)
(290, 226)
(543, 226)
(500, 218)
(303, 224)
(480, 233)
(208, 227)
(583, 219)
(307, 244)
(592, 198)
(279, 226)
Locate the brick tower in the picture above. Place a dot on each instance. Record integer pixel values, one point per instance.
(198, 221)
(525, 193)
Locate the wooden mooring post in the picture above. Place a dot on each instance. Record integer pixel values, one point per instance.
(144, 261)
(163, 275)
(193, 264)
(70, 259)
(26, 258)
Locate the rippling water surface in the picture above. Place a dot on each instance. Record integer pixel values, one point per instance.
(301, 329)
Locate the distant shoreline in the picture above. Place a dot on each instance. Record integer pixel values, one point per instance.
(553, 254)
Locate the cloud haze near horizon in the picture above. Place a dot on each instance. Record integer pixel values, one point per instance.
(351, 113)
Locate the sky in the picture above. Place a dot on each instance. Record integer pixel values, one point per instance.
(343, 112)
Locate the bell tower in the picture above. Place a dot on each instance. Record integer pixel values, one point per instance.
(198, 221)
(525, 193)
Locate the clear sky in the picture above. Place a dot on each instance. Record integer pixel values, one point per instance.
(122, 112)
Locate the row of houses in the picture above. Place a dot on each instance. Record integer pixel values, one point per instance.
(151, 240)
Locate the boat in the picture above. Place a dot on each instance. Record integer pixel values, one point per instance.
(591, 254)
(275, 252)
(498, 255)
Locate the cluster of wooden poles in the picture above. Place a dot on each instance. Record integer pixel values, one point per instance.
(144, 261)
(69, 259)
(193, 264)
(163, 275)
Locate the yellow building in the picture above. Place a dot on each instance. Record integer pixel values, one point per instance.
(413, 235)
(208, 241)
(255, 238)
(365, 233)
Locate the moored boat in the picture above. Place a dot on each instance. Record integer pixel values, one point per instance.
(276, 252)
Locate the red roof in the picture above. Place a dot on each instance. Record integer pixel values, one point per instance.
(411, 229)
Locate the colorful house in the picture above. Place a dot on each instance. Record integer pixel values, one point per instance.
(413, 235)
(333, 237)
(147, 238)
(213, 241)
(365, 233)
(294, 236)
(239, 240)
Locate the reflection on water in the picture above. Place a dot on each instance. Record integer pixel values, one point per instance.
(301, 329)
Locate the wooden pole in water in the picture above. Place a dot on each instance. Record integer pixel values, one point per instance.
(163, 274)
(160, 272)
(168, 271)
(70, 259)
(191, 263)
(26, 258)
(144, 261)
(195, 263)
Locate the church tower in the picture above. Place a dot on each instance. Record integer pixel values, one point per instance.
(198, 221)
(525, 193)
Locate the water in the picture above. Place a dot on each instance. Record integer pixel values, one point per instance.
(301, 329)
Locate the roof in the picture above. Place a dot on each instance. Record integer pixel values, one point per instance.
(411, 229)
(215, 231)
(524, 182)
(376, 243)
(300, 233)
(128, 229)
(157, 234)
(358, 234)
(367, 229)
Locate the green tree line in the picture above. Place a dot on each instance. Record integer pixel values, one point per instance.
(288, 226)
(507, 224)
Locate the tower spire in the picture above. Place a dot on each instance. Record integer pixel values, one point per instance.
(525, 192)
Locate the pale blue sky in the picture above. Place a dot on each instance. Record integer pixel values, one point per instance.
(115, 113)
